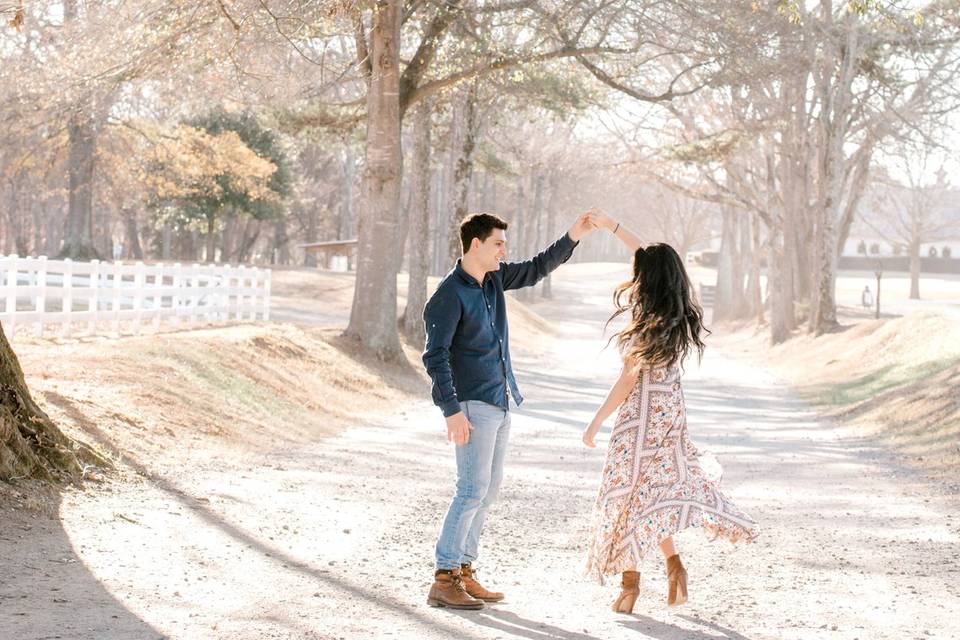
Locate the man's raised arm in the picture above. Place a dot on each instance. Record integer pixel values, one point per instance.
(529, 272)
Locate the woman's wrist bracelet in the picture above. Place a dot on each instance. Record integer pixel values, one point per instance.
(616, 228)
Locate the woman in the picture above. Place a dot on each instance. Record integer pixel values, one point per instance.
(653, 485)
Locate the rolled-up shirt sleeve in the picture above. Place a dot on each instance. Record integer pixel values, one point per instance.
(441, 315)
(516, 275)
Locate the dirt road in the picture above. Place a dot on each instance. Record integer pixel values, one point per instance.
(334, 539)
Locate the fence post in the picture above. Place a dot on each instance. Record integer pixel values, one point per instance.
(229, 275)
(139, 284)
(266, 295)
(157, 296)
(195, 293)
(11, 308)
(240, 292)
(216, 283)
(67, 308)
(116, 303)
(201, 293)
(93, 302)
(41, 304)
(175, 297)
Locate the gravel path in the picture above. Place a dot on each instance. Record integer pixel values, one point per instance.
(334, 540)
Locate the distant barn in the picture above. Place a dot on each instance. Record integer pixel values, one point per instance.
(336, 255)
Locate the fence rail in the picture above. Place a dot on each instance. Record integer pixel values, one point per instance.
(85, 297)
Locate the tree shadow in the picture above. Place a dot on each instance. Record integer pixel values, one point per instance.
(360, 589)
(519, 627)
(46, 590)
(659, 630)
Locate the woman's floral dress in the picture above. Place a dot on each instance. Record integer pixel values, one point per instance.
(653, 483)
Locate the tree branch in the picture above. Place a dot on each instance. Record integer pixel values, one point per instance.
(426, 51)
(363, 53)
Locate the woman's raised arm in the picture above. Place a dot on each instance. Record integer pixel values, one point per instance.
(623, 234)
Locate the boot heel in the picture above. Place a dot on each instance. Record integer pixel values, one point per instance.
(626, 601)
(629, 591)
(677, 582)
(433, 602)
(681, 595)
(681, 588)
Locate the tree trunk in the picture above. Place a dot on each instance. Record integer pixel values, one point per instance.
(312, 234)
(134, 250)
(535, 223)
(81, 154)
(281, 241)
(211, 238)
(347, 227)
(520, 220)
(522, 226)
(485, 193)
(37, 230)
(228, 242)
(251, 232)
(777, 274)
(403, 225)
(419, 226)
(823, 316)
(438, 226)
(551, 222)
(751, 245)
(54, 228)
(16, 222)
(466, 131)
(728, 300)
(166, 241)
(835, 93)
(373, 315)
(915, 264)
(31, 445)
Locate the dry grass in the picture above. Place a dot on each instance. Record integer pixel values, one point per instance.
(252, 388)
(180, 397)
(898, 379)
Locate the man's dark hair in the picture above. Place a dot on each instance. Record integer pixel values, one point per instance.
(480, 226)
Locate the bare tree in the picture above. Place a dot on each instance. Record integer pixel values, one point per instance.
(373, 315)
(419, 225)
(917, 212)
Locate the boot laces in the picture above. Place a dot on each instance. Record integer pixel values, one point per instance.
(458, 583)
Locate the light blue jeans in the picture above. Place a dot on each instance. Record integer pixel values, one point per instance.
(479, 473)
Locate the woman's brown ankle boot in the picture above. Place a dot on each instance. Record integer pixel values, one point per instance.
(676, 581)
(629, 590)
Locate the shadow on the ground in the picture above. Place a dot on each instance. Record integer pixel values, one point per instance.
(370, 593)
(516, 626)
(37, 557)
(658, 630)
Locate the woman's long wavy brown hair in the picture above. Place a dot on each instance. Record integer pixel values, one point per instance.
(666, 320)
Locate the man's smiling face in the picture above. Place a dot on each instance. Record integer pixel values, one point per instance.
(491, 251)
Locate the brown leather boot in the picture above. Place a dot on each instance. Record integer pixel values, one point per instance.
(474, 588)
(447, 591)
(676, 581)
(629, 590)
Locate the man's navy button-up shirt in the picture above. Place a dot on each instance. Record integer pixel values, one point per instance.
(467, 353)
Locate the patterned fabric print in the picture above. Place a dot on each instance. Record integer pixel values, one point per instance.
(652, 484)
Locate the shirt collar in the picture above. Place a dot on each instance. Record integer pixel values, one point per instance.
(466, 277)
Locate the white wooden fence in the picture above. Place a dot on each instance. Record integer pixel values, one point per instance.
(86, 297)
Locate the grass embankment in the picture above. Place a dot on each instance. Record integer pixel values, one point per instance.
(897, 379)
(250, 388)
(185, 397)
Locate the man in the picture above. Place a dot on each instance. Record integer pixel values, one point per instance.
(468, 359)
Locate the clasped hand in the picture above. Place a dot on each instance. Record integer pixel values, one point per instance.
(458, 428)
